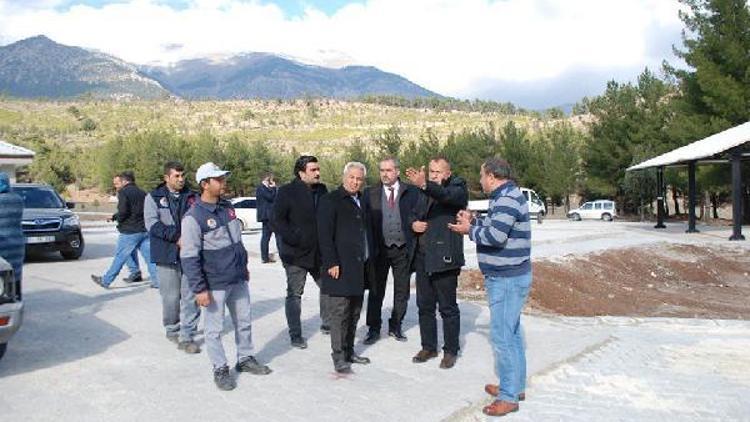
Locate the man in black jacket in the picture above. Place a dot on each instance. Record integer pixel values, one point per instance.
(294, 221)
(265, 195)
(346, 246)
(133, 235)
(391, 202)
(439, 257)
(163, 210)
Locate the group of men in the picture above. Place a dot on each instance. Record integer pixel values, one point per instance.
(347, 240)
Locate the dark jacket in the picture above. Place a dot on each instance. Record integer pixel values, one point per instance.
(162, 216)
(212, 255)
(12, 240)
(438, 205)
(265, 197)
(407, 200)
(342, 229)
(129, 215)
(294, 221)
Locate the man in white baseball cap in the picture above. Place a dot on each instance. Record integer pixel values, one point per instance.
(210, 170)
(216, 271)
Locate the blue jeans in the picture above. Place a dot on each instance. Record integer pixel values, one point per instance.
(506, 297)
(127, 244)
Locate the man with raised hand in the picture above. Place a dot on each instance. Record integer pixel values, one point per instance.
(439, 257)
(214, 261)
(503, 239)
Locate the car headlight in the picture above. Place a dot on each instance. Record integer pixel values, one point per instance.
(72, 222)
(6, 277)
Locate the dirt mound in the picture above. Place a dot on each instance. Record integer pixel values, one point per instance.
(658, 281)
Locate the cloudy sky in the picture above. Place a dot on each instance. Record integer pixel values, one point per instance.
(535, 53)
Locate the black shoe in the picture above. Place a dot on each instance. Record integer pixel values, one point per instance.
(372, 337)
(223, 379)
(397, 334)
(268, 261)
(299, 343)
(325, 329)
(133, 278)
(355, 358)
(189, 347)
(343, 367)
(249, 364)
(97, 279)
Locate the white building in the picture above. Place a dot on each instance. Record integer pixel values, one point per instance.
(12, 157)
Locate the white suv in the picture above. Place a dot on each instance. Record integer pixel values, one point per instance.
(537, 209)
(601, 209)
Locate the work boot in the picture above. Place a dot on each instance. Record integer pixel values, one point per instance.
(249, 364)
(223, 379)
(189, 347)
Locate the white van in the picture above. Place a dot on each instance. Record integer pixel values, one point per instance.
(601, 209)
(537, 209)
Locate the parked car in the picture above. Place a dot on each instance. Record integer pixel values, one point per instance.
(601, 209)
(11, 306)
(49, 223)
(537, 209)
(245, 207)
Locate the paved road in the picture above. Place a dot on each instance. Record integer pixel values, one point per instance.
(86, 354)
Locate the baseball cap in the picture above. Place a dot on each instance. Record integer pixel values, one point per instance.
(209, 170)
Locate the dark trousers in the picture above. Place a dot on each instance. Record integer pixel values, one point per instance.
(265, 238)
(396, 258)
(437, 290)
(295, 287)
(344, 311)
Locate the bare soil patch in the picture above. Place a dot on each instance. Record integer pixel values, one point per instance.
(658, 281)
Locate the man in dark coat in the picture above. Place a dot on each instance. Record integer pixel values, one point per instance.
(133, 235)
(265, 195)
(391, 203)
(294, 221)
(438, 258)
(346, 246)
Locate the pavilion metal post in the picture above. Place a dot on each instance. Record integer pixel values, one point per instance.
(736, 157)
(660, 198)
(691, 198)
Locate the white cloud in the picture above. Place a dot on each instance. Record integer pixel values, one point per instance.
(444, 45)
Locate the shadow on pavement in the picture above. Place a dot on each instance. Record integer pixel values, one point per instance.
(60, 327)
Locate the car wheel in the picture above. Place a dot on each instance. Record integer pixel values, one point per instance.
(575, 217)
(3, 347)
(242, 226)
(540, 217)
(74, 253)
(606, 217)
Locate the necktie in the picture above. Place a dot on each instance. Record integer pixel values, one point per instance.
(391, 199)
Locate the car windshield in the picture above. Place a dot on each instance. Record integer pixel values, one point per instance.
(34, 197)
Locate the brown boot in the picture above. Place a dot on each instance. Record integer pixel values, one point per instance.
(423, 356)
(448, 360)
(500, 408)
(494, 390)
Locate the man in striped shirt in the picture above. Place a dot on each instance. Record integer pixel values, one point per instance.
(503, 239)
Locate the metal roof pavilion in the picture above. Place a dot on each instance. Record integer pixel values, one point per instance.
(731, 145)
(708, 148)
